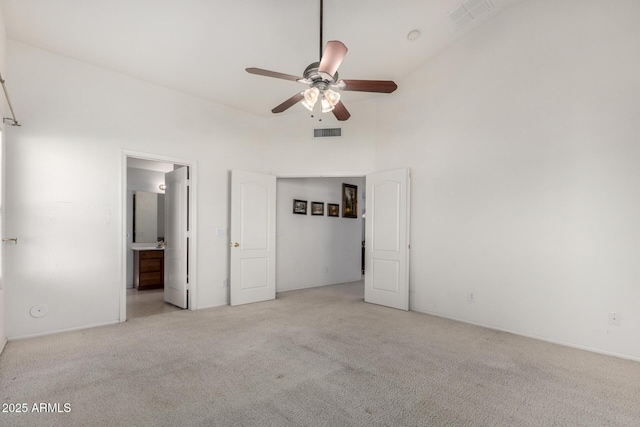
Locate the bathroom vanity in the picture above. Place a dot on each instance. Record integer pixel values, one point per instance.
(148, 268)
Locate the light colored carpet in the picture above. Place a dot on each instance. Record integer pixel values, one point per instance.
(318, 357)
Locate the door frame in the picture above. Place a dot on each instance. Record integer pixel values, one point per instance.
(192, 218)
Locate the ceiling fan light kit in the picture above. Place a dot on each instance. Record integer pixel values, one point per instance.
(324, 82)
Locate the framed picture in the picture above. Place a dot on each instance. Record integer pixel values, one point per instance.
(299, 207)
(349, 201)
(317, 208)
(333, 209)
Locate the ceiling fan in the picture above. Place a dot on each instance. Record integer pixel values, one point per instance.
(324, 83)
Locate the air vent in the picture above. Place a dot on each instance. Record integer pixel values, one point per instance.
(327, 133)
(468, 11)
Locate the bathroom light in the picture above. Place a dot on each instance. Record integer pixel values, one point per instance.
(310, 98)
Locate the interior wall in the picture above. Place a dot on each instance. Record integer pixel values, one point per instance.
(65, 201)
(145, 180)
(65, 165)
(523, 144)
(4, 109)
(3, 335)
(292, 149)
(314, 250)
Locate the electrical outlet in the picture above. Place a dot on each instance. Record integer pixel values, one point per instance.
(225, 283)
(614, 318)
(472, 296)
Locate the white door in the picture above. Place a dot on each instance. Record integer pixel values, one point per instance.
(176, 237)
(387, 239)
(253, 233)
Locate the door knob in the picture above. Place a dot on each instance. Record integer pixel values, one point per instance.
(235, 244)
(12, 239)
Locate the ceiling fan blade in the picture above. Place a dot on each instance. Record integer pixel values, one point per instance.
(288, 103)
(382, 86)
(267, 73)
(332, 57)
(340, 111)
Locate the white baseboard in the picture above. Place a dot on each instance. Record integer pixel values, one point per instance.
(4, 343)
(535, 337)
(77, 328)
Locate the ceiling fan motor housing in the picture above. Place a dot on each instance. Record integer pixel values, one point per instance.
(315, 78)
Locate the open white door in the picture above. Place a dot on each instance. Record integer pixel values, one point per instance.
(253, 234)
(176, 233)
(387, 239)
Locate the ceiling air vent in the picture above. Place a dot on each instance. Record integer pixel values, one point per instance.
(326, 133)
(468, 11)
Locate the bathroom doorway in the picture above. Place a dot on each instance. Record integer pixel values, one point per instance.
(157, 260)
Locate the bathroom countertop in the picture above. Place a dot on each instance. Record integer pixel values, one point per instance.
(146, 247)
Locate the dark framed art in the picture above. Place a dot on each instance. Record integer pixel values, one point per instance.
(333, 209)
(349, 201)
(317, 208)
(299, 207)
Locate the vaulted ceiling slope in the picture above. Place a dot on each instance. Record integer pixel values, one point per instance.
(202, 47)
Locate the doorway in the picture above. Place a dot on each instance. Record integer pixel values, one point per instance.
(322, 247)
(253, 204)
(157, 262)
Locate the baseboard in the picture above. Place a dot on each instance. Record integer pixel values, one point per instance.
(4, 343)
(535, 337)
(316, 286)
(58, 331)
(212, 306)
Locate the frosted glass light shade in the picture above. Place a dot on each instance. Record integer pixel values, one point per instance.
(310, 98)
(329, 100)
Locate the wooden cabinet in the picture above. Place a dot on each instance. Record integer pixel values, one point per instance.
(148, 269)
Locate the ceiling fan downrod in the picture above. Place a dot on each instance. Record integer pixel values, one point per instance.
(321, 44)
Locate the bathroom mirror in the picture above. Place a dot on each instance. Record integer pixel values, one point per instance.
(148, 217)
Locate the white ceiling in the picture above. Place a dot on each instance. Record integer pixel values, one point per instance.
(202, 47)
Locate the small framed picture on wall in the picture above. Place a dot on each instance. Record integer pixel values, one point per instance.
(317, 208)
(333, 209)
(299, 207)
(349, 201)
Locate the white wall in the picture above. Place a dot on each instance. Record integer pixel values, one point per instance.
(523, 141)
(315, 250)
(293, 150)
(3, 334)
(144, 180)
(65, 169)
(65, 201)
(4, 109)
